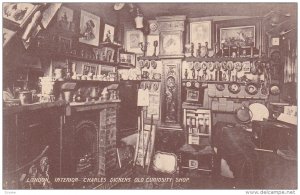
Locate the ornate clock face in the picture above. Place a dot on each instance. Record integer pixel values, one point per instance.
(171, 44)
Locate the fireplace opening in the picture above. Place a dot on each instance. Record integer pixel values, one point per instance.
(86, 150)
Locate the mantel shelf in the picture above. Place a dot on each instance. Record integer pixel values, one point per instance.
(148, 58)
(215, 82)
(211, 59)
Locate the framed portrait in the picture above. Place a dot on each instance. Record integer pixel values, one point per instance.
(7, 36)
(132, 40)
(243, 33)
(201, 32)
(192, 95)
(127, 58)
(65, 44)
(89, 69)
(18, 13)
(170, 43)
(243, 36)
(89, 28)
(108, 54)
(65, 19)
(109, 33)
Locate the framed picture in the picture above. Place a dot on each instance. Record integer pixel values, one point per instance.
(243, 33)
(49, 13)
(65, 44)
(243, 36)
(192, 95)
(89, 69)
(89, 28)
(18, 13)
(109, 33)
(170, 43)
(200, 32)
(132, 40)
(7, 35)
(65, 19)
(108, 54)
(128, 58)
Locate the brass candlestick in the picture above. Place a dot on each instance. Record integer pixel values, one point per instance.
(155, 44)
(143, 47)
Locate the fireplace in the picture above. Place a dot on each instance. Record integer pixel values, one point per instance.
(93, 141)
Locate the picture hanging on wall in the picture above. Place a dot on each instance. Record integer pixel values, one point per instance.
(7, 35)
(200, 32)
(49, 13)
(109, 33)
(132, 40)
(242, 36)
(18, 13)
(89, 28)
(65, 19)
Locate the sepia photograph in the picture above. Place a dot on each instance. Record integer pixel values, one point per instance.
(104, 96)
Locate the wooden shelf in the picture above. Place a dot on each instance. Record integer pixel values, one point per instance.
(88, 81)
(148, 58)
(110, 44)
(214, 82)
(125, 66)
(199, 134)
(210, 59)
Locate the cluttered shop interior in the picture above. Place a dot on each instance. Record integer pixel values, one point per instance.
(149, 95)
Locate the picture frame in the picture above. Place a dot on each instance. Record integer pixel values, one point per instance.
(65, 44)
(108, 54)
(251, 22)
(192, 95)
(7, 35)
(132, 40)
(65, 17)
(89, 28)
(109, 33)
(240, 36)
(89, 69)
(18, 13)
(128, 58)
(170, 43)
(49, 13)
(201, 32)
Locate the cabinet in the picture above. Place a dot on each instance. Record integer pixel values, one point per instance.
(197, 124)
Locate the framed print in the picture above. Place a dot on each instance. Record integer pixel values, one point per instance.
(109, 33)
(242, 36)
(200, 32)
(108, 54)
(128, 58)
(89, 28)
(153, 45)
(89, 69)
(18, 13)
(65, 19)
(170, 43)
(192, 95)
(7, 35)
(49, 13)
(132, 40)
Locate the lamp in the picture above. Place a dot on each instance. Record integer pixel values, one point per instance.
(139, 19)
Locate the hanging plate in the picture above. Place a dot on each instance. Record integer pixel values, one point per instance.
(190, 65)
(153, 64)
(230, 65)
(251, 88)
(204, 65)
(234, 88)
(197, 66)
(220, 87)
(141, 63)
(238, 66)
(211, 66)
(218, 65)
(224, 65)
(147, 64)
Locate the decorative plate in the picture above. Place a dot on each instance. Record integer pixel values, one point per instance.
(230, 65)
(153, 64)
(264, 90)
(197, 85)
(204, 65)
(224, 65)
(234, 88)
(153, 26)
(147, 64)
(251, 88)
(190, 65)
(188, 84)
(238, 66)
(155, 86)
(218, 65)
(197, 65)
(211, 66)
(220, 87)
(274, 89)
(141, 63)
